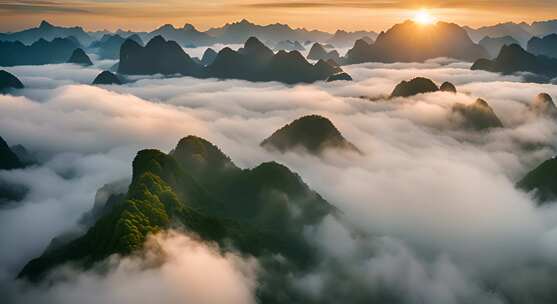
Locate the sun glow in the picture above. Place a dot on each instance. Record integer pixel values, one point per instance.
(424, 17)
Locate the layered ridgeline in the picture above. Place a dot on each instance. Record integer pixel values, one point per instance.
(239, 32)
(187, 36)
(343, 39)
(313, 134)
(318, 52)
(513, 59)
(413, 42)
(9, 82)
(520, 31)
(261, 212)
(253, 62)
(40, 52)
(546, 46)
(493, 45)
(108, 47)
(49, 32)
(289, 45)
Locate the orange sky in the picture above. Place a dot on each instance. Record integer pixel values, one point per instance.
(326, 15)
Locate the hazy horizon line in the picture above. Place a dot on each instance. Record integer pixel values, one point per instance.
(177, 26)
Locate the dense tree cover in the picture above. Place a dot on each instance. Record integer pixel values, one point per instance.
(260, 211)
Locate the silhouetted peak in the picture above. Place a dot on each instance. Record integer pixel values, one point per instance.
(189, 27)
(79, 57)
(541, 180)
(156, 41)
(166, 27)
(8, 159)
(313, 133)
(447, 87)
(512, 51)
(255, 45)
(208, 56)
(129, 43)
(9, 81)
(361, 43)
(45, 25)
(418, 85)
(478, 115)
(107, 78)
(339, 76)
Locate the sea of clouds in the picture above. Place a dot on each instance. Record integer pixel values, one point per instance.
(438, 217)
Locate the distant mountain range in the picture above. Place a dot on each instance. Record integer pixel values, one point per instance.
(413, 42)
(238, 32)
(522, 32)
(254, 62)
(544, 46)
(40, 52)
(49, 32)
(189, 36)
(513, 59)
(108, 47)
(493, 45)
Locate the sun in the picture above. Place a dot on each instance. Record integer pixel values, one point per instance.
(424, 17)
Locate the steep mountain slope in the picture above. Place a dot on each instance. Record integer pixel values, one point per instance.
(541, 180)
(493, 45)
(477, 116)
(261, 211)
(8, 81)
(314, 134)
(79, 57)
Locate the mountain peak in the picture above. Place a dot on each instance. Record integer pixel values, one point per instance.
(107, 78)
(80, 57)
(197, 154)
(314, 133)
(189, 27)
(478, 116)
(418, 85)
(9, 81)
(157, 40)
(45, 25)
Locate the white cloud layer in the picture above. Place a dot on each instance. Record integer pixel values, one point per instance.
(434, 198)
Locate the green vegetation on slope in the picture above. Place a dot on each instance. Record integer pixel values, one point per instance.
(260, 212)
